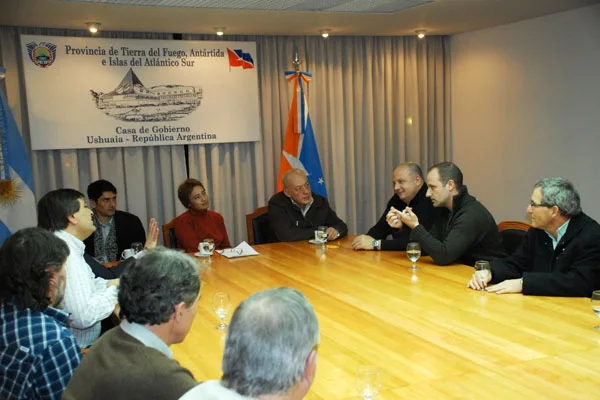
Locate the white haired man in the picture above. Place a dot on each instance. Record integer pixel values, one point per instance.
(270, 352)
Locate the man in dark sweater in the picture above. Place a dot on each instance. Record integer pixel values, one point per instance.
(158, 297)
(560, 254)
(463, 232)
(115, 230)
(296, 212)
(410, 189)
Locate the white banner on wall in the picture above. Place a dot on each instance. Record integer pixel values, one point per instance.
(88, 92)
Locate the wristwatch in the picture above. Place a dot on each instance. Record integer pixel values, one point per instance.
(376, 244)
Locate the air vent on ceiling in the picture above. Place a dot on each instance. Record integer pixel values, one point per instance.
(338, 6)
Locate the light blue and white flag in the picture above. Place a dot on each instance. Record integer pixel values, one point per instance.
(17, 202)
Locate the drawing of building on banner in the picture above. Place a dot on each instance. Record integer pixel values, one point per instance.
(132, 101)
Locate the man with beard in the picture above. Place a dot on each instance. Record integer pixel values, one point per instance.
(38, 352)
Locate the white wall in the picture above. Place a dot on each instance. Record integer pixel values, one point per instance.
(526, 104)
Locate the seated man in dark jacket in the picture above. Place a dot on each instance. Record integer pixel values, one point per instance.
(296, 212)
(410, 189)
(115, 230)
(560, 255)
(463, 232)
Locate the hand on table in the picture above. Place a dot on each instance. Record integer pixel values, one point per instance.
(476, 283)
(362, 242)
(507, 286)
(332, 233)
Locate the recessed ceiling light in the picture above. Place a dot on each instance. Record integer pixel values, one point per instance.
(93, 26)
(325, 33)
(219, 31)
(421, 33)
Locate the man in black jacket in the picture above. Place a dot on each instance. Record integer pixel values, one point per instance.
(296, 212)
(115, 230)
(410, 189)
(463, 232)
(560, 254)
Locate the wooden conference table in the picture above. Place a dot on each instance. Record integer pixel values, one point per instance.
(431, 337)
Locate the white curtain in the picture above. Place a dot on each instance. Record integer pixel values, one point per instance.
(375, 102)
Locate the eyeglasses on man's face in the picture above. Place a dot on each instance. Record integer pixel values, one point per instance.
(533, 204)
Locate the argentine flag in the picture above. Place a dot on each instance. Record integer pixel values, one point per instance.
(17, 202)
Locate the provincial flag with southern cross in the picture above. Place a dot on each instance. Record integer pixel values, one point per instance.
(238, 58)
(299, 145)
(17, 202)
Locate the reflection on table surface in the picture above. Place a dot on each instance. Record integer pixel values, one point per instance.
(430, 336)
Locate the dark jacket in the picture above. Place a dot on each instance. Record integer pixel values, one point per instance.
(288, 224)
(572, 269)
(129, 229)
(421, 206)
(467, 234)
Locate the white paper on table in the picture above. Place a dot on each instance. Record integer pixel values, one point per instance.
(241, 250)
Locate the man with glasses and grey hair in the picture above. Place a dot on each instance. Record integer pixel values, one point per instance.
(158, 297)
(560, 254)
(270, 352)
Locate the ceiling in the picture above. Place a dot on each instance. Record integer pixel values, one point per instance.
(281, 17)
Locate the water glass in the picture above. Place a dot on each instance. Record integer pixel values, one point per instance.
(367, 382)
(221, 307)
(413, 252)
(483, 271)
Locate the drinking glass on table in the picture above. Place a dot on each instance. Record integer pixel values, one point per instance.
(596, 305)
(137, 247)
(413, 252)
(483, 271)
(221, 306)
(367, 382)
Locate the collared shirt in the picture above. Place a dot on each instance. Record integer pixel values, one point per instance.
(88, 299)
(38, 354)
(560, 232)
(213, 390)
(306, 208)
(105, 227)
(148, 338)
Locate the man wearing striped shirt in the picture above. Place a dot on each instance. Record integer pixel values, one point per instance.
(38, 354)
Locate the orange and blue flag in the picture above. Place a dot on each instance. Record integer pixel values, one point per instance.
(299, 145)
(238, 58)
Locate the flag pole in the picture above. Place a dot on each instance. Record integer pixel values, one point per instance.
(296, 61)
